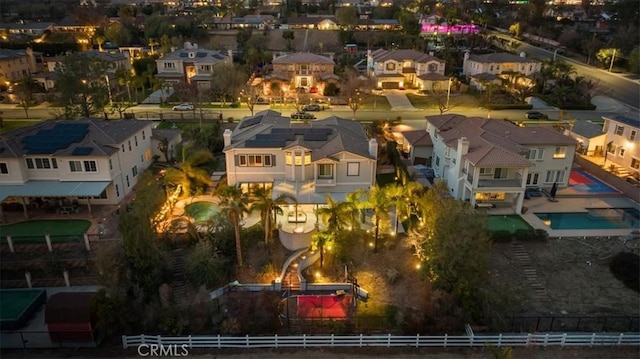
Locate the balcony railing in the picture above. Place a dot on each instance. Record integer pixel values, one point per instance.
(497, 183)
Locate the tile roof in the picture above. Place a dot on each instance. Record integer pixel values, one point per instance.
(308, 20)
(501, 57)
(343, 135)
(102, 136)
(12, 54)
(418, 138)
(433, 76)
(302, 58)
(495, 142)
(382, 55)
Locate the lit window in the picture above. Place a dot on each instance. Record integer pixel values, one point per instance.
(288, 158)
(560, 152)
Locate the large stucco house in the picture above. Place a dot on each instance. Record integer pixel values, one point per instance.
(18, 64)
(191, 64)
(492, 68)
(394, 69)
(299, 72)
(307, 161)
(621, 144)
(493, 161)
(91, 161)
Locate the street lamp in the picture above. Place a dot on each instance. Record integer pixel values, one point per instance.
(555, 52)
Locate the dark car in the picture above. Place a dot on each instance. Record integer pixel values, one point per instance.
(302, 116)
(312, 107)
(536, 115)
(262, 101)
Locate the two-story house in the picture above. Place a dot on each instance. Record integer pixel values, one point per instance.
(313, 22)
(301, 71)
(192, 65)
(492, 161)
(17, 64)
(621, 145)
(92, 161)
(489, 68)
(304, 160)
(394, 69)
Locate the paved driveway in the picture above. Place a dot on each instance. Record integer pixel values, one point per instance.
(398, 100)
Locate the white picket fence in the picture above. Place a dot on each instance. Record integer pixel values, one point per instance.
(417, 341)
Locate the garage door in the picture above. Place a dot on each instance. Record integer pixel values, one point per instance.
(390, 85)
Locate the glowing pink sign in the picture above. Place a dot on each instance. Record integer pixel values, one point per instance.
(449, 29)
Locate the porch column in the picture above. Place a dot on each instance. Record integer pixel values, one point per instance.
(24, 207)
(519, 200)
(89, 204)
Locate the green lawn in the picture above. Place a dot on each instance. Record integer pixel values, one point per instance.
(375, 102)
(34, 231)
(509, 223)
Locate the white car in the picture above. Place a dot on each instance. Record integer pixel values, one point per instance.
(183, 107)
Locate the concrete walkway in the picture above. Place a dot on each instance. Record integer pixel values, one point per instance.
(158, 96)
(399, 100)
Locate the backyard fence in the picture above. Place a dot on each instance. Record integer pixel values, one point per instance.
(387, 340)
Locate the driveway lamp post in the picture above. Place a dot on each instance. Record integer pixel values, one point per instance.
(555, 52)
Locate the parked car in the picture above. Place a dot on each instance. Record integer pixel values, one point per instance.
(302, 116)
(262, 101)
(312, 107)
(183, 107)
(536, 115)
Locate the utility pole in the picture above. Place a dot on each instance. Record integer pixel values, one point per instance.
(449, 92)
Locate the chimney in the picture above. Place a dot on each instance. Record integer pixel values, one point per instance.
(373, 148)
(227, 137)
(194, 46)
(463, 146)
(431, 53)
(173, 49)
(331, 56)
(522, 54)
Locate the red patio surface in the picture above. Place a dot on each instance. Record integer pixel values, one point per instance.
(324, 306)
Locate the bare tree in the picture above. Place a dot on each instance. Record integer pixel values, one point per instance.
(352, 89)
(226, 82)
(249, 96)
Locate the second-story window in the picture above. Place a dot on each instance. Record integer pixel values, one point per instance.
(619, 130)
(390, 66)
(4, 169)
(432, 68)
(632, 135)
(560, 152)
(325, 171)
(169, 65)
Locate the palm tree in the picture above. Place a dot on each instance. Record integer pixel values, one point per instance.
(320, 240)
(189, 172)
(269, 208)
(377, 200)
(335, 216)
(234, 203)
(356, 202)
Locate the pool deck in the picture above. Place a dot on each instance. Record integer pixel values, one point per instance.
(575, 204)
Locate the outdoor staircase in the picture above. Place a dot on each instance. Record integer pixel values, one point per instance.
(291, 282)
(540, 293)
(179, 282)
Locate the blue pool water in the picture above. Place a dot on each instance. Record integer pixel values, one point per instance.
(201, 211)
(595, 218)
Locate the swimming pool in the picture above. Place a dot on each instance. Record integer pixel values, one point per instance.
(201, 211)
(583, 181)
(595, 218)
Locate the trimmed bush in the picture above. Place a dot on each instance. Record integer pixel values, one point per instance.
(625, 266)
(501, 236)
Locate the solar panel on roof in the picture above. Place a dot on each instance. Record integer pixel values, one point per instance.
(250, 122)
(264, 143)
(81, 151)
(59, 136)
(218, 56)
(184, 54)
(201, 54)
(315, 137)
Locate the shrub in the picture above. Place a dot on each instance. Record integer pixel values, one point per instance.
(625, 266)
(501, 236)
(392, 275)
(331, 90)
(541, 235)
(525, 234)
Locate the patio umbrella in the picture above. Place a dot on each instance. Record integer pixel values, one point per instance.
(554, 189)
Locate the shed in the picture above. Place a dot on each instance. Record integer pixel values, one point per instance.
(70, 317)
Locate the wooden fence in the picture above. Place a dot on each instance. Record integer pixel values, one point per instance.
(387, 340)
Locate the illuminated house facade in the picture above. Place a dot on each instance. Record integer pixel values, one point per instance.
(491, 161)
(192, 65)
(489, 68)
(621, 144)
(301, 71)
(406, 68)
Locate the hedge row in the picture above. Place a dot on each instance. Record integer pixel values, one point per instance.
(513, 106)
(520, 234)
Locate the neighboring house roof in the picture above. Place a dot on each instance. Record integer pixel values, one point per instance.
(277, 76)
(495, 143)
(418, 138)
(62, 138)
(392, 22)
(325, 77)
(105, 56)
(587, 129)
(382, 55)
(324, 138)
(27, 26)
(308, 20)
(501, 57)
(7, 54)
(197, 55)
(302, 58)
(635, 122)
(484, 77)
(433, 76)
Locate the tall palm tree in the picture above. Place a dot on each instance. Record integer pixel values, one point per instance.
(356, 202)
(320, 240)
(335, 216)
(269, 208)
(378, 201)
(189, 172)
(234, 203)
